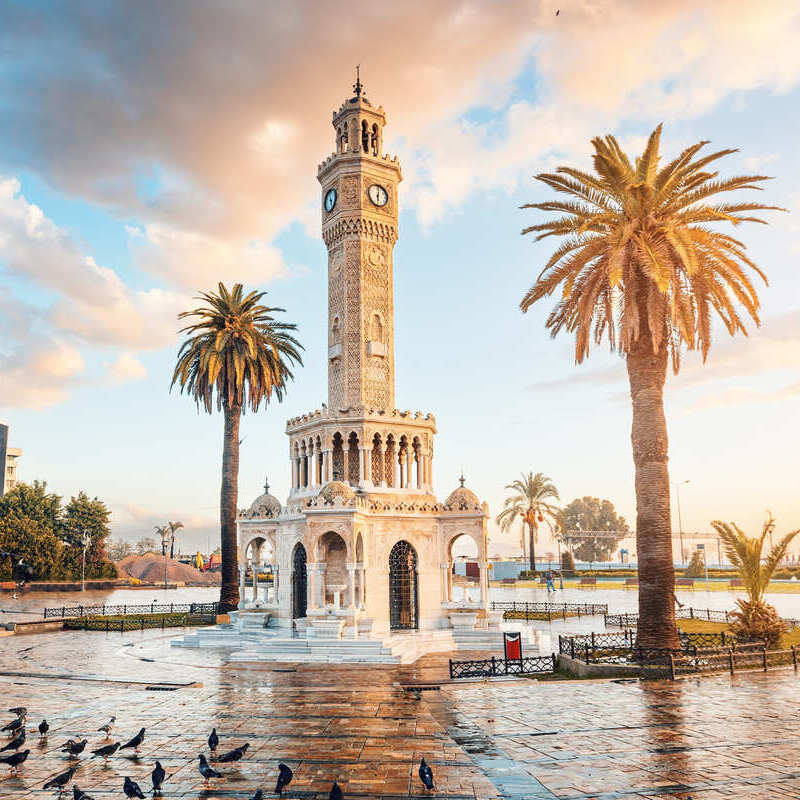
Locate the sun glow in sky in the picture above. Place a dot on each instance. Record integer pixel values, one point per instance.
(149, 150)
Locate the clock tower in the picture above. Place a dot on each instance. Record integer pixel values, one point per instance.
(359, 227)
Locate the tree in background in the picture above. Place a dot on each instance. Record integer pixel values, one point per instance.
(173, 527)
(236, 356)
(697, 565)
(754, 618)
(118, 548)
(593, 514)
(567, 561)
(91, 515)
(35, 526)
(641, 264)
(147, 544)
(529, 505)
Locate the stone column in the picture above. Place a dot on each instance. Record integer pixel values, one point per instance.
(351, 571)
(311, 595)
(364, 460)
(294, 473)
(242, 573)
(255, 583)
(484, 581)
(443, 566)
(363, 588)
(326, 466)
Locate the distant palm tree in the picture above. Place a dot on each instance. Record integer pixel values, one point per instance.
(641, 265)
(173, 526)
(528, 503)
(236, 356)
(161, 531)
(754, 617)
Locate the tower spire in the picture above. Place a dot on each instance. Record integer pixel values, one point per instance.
(358, 87)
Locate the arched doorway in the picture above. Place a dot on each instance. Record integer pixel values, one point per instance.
(403, 600)
(299, 582)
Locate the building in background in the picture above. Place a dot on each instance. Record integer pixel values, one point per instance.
(8, 459)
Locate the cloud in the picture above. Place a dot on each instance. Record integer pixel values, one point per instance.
(125, 369)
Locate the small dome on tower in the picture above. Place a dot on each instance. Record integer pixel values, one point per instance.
(330, 491)
(265, 505)
(462, 496)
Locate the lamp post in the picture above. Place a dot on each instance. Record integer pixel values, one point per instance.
(702, 549)
(677, 485)
(164, 540)
(86, 538)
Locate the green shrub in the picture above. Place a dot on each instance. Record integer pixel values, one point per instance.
(697, 566)
(567, 561)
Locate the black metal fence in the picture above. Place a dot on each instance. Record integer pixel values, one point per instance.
(730, 660)
(489, 667)
(64, 612)
(548, 611)
(126, 623)
(632, 620)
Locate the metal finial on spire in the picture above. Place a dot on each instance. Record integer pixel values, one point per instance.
(266, 485)
(462, 479)
(358, 87)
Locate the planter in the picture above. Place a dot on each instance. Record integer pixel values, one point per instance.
(463, 620)
(365, 626)
(301, 625)
(494, 618)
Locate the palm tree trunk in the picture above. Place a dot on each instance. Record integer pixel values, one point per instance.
(531, 547)
(522, 542)
(228, 501)
(646, 374)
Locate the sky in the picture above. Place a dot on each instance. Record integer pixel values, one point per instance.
(149, 150)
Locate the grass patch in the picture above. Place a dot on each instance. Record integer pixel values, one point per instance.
(703, 626)
(136, 622)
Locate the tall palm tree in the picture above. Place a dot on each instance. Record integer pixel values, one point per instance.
(641, 265)
(528, 503)
(173, 526)
(754, 617)
(236, 356)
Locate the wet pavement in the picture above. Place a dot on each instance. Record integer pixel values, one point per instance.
(717, 737)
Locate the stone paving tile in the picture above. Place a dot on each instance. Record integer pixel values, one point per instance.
(714, 738)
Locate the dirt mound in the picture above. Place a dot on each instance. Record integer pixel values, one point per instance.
(149, 568)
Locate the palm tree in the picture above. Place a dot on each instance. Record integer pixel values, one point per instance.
(161, 532)
(236, 356)
(754, 617)
(641, 265)
(173, 526)
(528, 503)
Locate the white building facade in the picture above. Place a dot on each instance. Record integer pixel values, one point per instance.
(361, 544)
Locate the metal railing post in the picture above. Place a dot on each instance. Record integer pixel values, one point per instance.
(764, 653)
(671, 667)
(451, 668)
(794, 657)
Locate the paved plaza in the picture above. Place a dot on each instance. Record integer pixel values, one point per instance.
(717, 737)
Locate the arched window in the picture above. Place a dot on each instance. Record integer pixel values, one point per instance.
(364, 136)
(299, 582)
(377, 460)
(376, 329)
(338, 457)
(390, 461)
(353, 453)
(374, 141)
(403, 600)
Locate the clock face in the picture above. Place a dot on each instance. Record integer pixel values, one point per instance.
(378, 195)
(330, 200)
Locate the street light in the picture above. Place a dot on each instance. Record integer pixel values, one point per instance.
(164, 540)
(86, 538)
(677, 486)
(702, 549)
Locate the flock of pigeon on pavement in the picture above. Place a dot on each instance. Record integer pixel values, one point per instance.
(16, 733)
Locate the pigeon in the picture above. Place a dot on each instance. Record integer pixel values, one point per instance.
(14, 726)
(131, 789)
(15, 760)
(43, 728)
(285, 776)
(336, 792)
(16, 742)
(78, 794)
(157, 776)
(213, 740)
(108, 727)
(74, 748)
(206, 770)
(60, 780)
(259, 795)
(20, 711)
(106, 751)
(135, 743)
(234, 755)
(426, 775)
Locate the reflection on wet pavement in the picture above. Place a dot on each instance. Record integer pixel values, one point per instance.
(711, 738)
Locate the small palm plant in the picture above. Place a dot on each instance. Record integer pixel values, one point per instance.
(528, 503)
(754, 619)
(236, 356)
